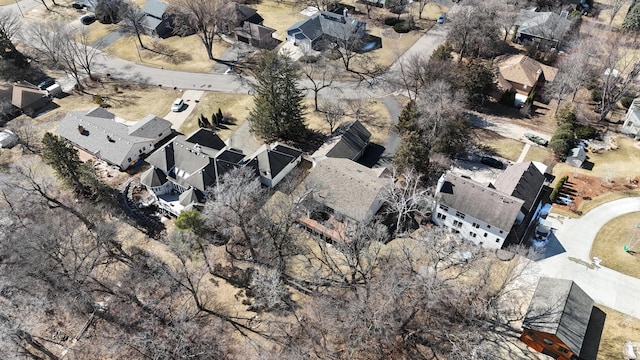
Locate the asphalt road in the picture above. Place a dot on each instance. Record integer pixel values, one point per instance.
(569, 258)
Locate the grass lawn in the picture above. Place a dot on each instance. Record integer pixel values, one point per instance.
(611, 163)
(611, 240)
(604, 16)
(537, 153)
(374, 116)
(280, 15)
(236, 105)
(586, 206)
(432, 11)
(491, 141)
(167, 53)
(618, 328)
(128, 101)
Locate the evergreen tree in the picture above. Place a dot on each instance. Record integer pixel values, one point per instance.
(279, 108)
(408, 119)
(632, 20)
(63, 158)
(412, 153)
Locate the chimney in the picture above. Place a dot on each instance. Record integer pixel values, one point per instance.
(80, 129)
(197, 149)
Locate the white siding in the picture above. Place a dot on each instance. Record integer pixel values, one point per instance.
(486, 235)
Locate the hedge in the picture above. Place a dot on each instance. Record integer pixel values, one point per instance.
(391, 21)
(402, 27)
(556, 190)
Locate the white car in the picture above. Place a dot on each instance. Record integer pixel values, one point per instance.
(177, 105)
(564, 199)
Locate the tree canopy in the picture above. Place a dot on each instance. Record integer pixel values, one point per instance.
(279, 107)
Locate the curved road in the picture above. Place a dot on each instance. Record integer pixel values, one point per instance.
(607, 287)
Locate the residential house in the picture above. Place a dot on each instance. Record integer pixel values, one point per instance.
(183, 169)
(347, 188)
(245, 24)
(496, 215)
(522, 75)
(348, 141)
(576, 157)
(525, 181)
(275, 161)
(325, 28)
(156, 19)
(477, 212)
(28, 98)
(557, 320)
(544, 29)
(107, 137)
(631, 124)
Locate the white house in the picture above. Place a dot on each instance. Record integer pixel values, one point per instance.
(631, 124)
(109, 138)
(275, 161)
(478, 213)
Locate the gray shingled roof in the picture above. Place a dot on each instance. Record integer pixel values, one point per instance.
(348, 142)
(346, 187)
(155, 8)
(273, 158)
(326, 23)
(522, 180)
(479, 201)
(562, 308)
(545, 25)
(153, 177)
(106, 138)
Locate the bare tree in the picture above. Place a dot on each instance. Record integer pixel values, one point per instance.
(333, 113)
(320, 75)
(613, 8)
(474, 31)
(574, 71)
(46, 39)
(10, 24)
(619, 69)
(406, 197)
(79, 54)
(133, 18)
(202, 17)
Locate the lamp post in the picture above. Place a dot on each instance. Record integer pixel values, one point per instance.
(19, 8)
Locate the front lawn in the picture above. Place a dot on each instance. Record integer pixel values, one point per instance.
(235, 105)
(611, 240)
(495, 143)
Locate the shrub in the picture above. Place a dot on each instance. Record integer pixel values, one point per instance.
(392, 21)
(626, 101)
(402, 27)
(508, 98)
(596, 95)
(309, 59)
(556, 189)
(585, 132)
(98, 99)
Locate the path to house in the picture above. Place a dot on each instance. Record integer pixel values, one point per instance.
(191, 98)
(575, 236)
(524, 152)
(243, 139)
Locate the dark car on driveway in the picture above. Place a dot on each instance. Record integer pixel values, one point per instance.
(45, 83)
(495, 163)
(536, 139)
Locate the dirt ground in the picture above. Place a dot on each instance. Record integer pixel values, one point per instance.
(583, 188)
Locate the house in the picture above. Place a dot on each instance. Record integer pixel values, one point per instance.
(347, 188)
(525, 181)
(477, 212)
(107, 137)
(544, 29)
(275, 161)
(348, 141)
(576, 157)
(28, 98)
(183, 169)
(7, 139)
(245, 24)
(496, 215)
(557, 320)
(325, 28)
(522, 75)
(631, 124)
(156, 19)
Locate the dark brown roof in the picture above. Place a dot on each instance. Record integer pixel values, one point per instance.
(522, 180)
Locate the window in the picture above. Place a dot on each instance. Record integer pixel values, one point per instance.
(459, 214)
(488, 226)
(497, 240)
(480, 243)
(501, 231)
(442, 216)
(457, 223)
(563, 350)
(129, 159)
(485, 234)
(444, 207)
(144, 148)
(547, 341)
(476, 225)
(472, 234)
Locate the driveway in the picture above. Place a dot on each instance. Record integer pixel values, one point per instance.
(607, 287)
(191, 98)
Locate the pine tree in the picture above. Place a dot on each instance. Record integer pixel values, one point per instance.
(63, 158)
(408, 119)
(412, 153)
(632, 20)
(279, 108)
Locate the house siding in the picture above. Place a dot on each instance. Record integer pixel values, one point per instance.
(547, 344)
(485, 235)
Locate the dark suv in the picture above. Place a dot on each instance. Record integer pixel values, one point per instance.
(495, 163)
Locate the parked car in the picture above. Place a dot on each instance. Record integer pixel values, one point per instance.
(177, 105)
(536, 139)
(45, 83)
(564, 199)
(88, 19)
(441, 19)
(495, 163)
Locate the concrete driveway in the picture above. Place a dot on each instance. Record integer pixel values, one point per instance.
(191, 98)
(575, 236)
